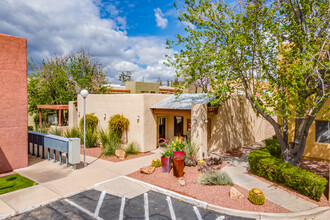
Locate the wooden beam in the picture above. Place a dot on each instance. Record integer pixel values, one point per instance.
(172, 111)
(53, 106)
(59, 117)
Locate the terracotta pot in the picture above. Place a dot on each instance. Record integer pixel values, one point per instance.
(178, 154)
(166, 164)
(178, 166)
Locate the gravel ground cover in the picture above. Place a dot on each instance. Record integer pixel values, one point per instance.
(217, 195)
(97, 151)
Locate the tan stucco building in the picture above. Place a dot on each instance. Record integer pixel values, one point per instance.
(154, 116)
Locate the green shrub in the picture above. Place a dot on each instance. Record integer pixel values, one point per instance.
(91, 137)
(30, 128)
(118, 124)
(110, 142)
(215, 177)
(190, 149)
(72, 133)
(156, 163)
(55, 131)
(42, 129)
(91, 122)
(132, 149)
(273, 147)
(262, 163)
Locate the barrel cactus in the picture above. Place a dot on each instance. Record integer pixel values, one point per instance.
(156, 163)
(256, 196)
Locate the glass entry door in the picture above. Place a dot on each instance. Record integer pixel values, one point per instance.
(161, 127)
(178, 126)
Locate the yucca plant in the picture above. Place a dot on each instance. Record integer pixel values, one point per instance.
(55, 131)
(215, 177)
(110, 142)
(72, 133)
(91, 137)
(132, 149)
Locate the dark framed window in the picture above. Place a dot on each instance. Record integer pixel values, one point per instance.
(322, 131)
(178, 126)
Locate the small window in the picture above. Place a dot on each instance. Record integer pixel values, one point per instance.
(322, 131)
(240, 92)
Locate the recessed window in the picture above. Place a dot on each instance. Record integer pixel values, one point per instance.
(322, 131)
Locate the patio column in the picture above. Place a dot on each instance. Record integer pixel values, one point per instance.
(73, 119)
(40, 118)
(59, 117)
(199, 128)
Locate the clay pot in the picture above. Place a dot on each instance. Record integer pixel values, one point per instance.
(166, 164)
(178, 166)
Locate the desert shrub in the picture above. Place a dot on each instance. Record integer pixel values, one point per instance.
(91, 137)
(110, 142)
(30, 128)
(156, 163)
(42, 129)
(190, 149)
(118, 124)
(262, 163)
(72, 133)
(273, 147)
(132, 149)
(91, 122)
(55, 131)
(214, 177)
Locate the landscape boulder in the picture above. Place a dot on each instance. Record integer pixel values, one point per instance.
(235, 194)
(120, 154)
(147, 170)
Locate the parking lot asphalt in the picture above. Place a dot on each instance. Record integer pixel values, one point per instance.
(94, 204)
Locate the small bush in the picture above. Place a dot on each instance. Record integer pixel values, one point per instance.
(119, 124)
(91, 122)
(110, 143)
(273, 147)
(262, 163)
(190, 149)
(214, 177)
(156, 163)
(72, 133)
(42, 129)
(132, 149)
(55, 131)
(91, 138)
(30, 128)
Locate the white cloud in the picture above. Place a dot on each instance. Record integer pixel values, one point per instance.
(62, 27)
(161, 22)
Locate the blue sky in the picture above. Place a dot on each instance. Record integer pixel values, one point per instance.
(126, 35)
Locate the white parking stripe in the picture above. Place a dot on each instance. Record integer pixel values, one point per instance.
(122, 207)
(170, 206)
(99, 204)
(146, 207)
(199, 217)
(82, 209)
(221, 218)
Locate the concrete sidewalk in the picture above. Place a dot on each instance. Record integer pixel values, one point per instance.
(238, 169)
(57, 182)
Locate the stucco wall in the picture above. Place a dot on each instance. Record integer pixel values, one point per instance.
(142, 131)
(13, 103)
(236, 125)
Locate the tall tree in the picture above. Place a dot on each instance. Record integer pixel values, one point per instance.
(277, 51)
(125, 77)
(58, 80)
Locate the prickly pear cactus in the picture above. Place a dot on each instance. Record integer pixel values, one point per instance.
(256, 196)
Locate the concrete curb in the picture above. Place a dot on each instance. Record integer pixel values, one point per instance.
(311, 213)
(239, 213)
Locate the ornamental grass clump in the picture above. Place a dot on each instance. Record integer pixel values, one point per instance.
(215, 177)
(72, 133)
(132, 149)
(110, 142)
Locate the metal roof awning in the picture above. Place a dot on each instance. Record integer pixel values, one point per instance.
(181, 105)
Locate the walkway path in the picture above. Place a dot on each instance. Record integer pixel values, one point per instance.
(238, 170)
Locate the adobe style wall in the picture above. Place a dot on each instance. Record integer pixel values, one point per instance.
(143, 131)
(13, 103)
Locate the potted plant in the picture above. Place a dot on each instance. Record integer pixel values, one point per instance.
(178, 166)
(178, 148)
(166, 160)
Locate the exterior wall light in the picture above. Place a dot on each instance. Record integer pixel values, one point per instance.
(206, 120)
(138, 117)
(104, 116)
(195, 120)
(78, 114)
